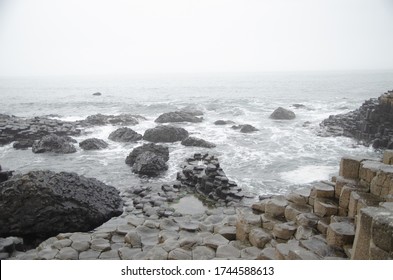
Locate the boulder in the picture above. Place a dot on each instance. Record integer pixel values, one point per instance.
(222, 122)
(55, 144)
(97, 94)
(178, 116)
(45, 203)
(282, 114)
(23, 144)
(165, 133)
(100, 119)
(245, 128)
(93, 144)
(148, 159)
(125, 134)
(197, 142)
(5, 175)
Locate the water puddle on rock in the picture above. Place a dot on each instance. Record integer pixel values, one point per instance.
(189, 205)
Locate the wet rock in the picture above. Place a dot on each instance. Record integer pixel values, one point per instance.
(150, 164)
(245, 128)
(160, 150)
(282, 114)
(23, 144)
(53, 143)
(178, 116)
(93, 144)
(125, 134)
(222, 122)
(44, 203)
(97, 94)
(100, 119)
(165, 133)
(197, 142)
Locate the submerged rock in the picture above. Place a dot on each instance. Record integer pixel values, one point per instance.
(125, 134)
(93, 144)
(178, 116)
(45, 203)
(165, 133)
(282, 114)
(245, 128)
(55, 144)
(100, 119)
(197, 142)
(149, 159)
(222, 122)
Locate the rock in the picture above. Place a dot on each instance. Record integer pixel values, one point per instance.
(222, 122)
(156, 253)
(150, 164)
(134, 239)
(89, 255)
(5, 175)
(100, 244)
(165, 133)
(178, 116)
(227, 251)
(97, 94)
(215, 241)
(250, 253)
(126, 253)
(125, 134)
(197, 142)
(267, 254)
(340, 234)
(325, 207)
(276, 207)
(93, 144)
(180, 254)
(159, 150)
(23, 144)
(282, 114)
(122, 119)
(53, 143)
(203, 253)
(284, 231)
(245, 128)
(44, 203)
(259, 237)
(67, 253)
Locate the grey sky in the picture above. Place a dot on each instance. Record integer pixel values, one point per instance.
(99, 37)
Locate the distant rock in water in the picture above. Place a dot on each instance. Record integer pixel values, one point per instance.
(299, 106)
(197, 142)
(97, 94)
(45, 203)
(100, 119)
(282, 114)
(125, 134)
(148, 159)
(245, 128)
(93, 144)
(23, 144)
(222, 122)
(372, 123)
(165, 133)
(5, 175)
(178, 116)
(55, 144)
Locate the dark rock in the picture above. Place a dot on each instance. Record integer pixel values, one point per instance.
(222, 122)
(372, 123)
(151, 147)
(197, 142)
(97, 94)
(45, 203)
(5, 175)
(148, 159)
(178, 116)
(93, 144)
(245, 128)
(298, 106)
(53, 143)
(282, 114)
(100, 119)
(23, 144)
(193, 112)
(125, 134)
(149, 163)
(165, 133)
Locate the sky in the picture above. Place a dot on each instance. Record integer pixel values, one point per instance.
(121, 37)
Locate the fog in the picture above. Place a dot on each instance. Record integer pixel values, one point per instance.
(121, 37)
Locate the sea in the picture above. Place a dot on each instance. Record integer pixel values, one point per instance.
(280, 157)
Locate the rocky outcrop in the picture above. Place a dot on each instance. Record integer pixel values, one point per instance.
(45, 203)
(100, 119)
(197, 142)
(165, 133)
(372, 123)
(178, 116)
(21, 129)
(55, 144)
(282, 114)
(204, 175)
(245, 128)
(5, 175)
(222, 122)
(148, 159)
(93, 144)
(125, 134)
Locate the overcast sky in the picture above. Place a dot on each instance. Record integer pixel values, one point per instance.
(100, 37)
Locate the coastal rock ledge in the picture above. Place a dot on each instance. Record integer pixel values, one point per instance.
(45, 203)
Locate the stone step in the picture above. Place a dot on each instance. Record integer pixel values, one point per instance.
(293, 210)
(340, 183)
(340, 234)
(349, 167)
(325, 207)
(322, 190)
(359, 200)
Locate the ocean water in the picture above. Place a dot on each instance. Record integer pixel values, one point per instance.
(281, 156)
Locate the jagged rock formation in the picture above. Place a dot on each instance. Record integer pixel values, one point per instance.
(93, 144)
(45, 203)
(55, 144)
(125, 134)
(372, 123)
(148, 159)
